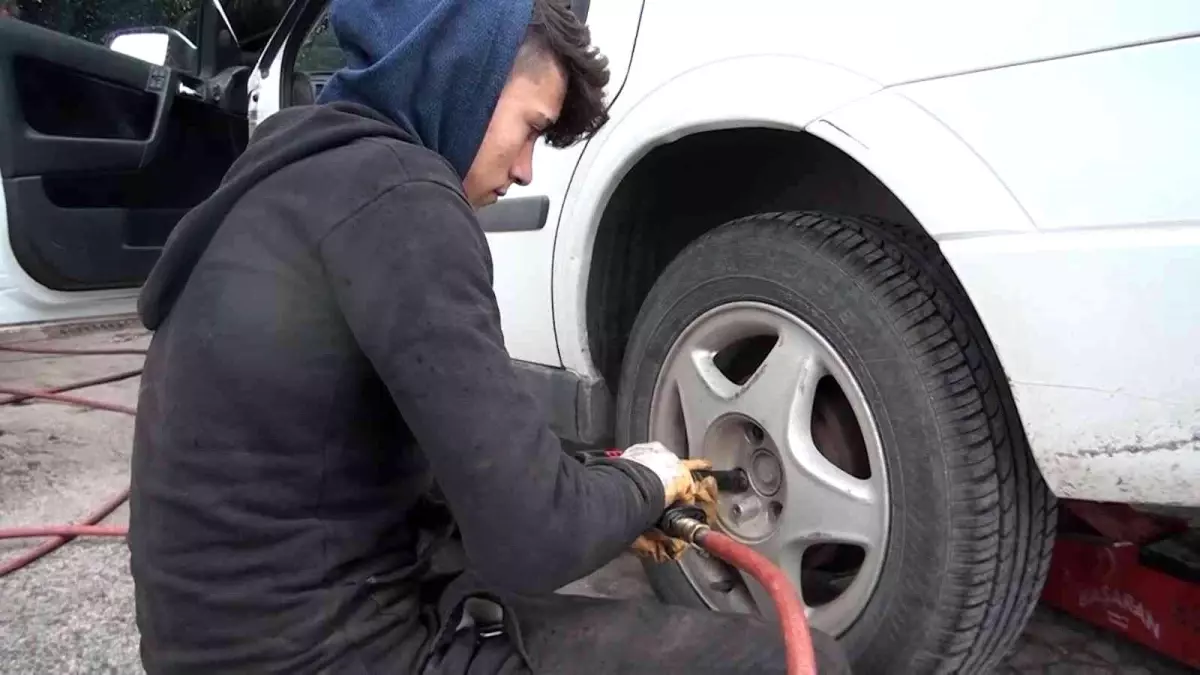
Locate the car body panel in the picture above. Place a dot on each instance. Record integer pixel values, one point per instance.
(965, 198)
(1097, 332)
(1092, 324)
(1096, 141)
(1044, 146)
(1092, 314)
(896, 42)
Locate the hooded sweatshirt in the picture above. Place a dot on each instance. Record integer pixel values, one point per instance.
(327, 350)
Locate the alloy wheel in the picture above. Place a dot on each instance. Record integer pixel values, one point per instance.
(751, 386)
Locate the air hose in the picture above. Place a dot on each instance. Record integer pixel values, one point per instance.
(88, 526)
(687, 523)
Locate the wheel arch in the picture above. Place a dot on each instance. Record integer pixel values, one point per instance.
(874, 154)
(659, 108)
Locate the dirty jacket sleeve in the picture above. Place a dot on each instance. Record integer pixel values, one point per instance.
(410, 271)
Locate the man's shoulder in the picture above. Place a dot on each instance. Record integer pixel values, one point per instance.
(353, 141)
(412, 162)
(378, 160)
(345, 178)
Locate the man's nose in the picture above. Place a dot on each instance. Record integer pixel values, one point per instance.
(522, 170)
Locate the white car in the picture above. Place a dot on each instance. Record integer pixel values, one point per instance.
(919, 268)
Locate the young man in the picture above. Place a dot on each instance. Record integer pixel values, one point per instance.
(333, 452)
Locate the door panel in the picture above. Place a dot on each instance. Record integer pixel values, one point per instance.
(100, 156)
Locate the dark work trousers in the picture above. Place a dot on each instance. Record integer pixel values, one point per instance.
(563, 634)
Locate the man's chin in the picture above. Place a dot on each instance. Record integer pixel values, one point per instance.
(482, 201)
(488, 199)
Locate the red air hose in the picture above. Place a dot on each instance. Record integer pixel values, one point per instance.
(87, 527)
(686, 522)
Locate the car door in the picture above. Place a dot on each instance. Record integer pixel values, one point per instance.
(102, 153)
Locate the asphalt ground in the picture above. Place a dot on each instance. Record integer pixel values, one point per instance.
(73, 612)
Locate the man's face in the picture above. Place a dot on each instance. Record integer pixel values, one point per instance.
(530, 102)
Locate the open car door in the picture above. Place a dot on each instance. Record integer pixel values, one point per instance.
(102, 153)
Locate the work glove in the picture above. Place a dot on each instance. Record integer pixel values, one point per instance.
(656, 546)
(674, 473)
(680, 487)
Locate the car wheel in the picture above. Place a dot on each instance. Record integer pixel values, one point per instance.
(839, 363)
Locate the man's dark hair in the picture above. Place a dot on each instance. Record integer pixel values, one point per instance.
(555, 32)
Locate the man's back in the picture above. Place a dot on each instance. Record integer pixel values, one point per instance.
(273, 475)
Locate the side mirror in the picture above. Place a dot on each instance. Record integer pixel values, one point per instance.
(157, 45)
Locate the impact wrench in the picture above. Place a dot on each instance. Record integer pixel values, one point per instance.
(688, 523)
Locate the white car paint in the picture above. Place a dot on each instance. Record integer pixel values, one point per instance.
(1047, 147)
(1099, 334)
(1101, 140)
(1093, 326)
(1093, 315)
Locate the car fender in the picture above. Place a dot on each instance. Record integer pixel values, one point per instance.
(917, 157)
(739, 91)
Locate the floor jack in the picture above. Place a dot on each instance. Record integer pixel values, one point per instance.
(1131, 572)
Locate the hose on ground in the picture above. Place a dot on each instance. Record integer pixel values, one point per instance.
(88, 526)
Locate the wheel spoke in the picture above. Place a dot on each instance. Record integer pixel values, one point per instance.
(780, 392)
(786, 558)
(826, 504)
(704, 394)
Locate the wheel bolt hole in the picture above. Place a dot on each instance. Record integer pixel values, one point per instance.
(754, 434)
(775, 509)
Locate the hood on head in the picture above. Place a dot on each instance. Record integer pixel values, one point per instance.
(435, 67)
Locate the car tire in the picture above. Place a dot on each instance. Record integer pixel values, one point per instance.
(969, 521)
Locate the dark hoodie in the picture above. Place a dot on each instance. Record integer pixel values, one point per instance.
(328, 346)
